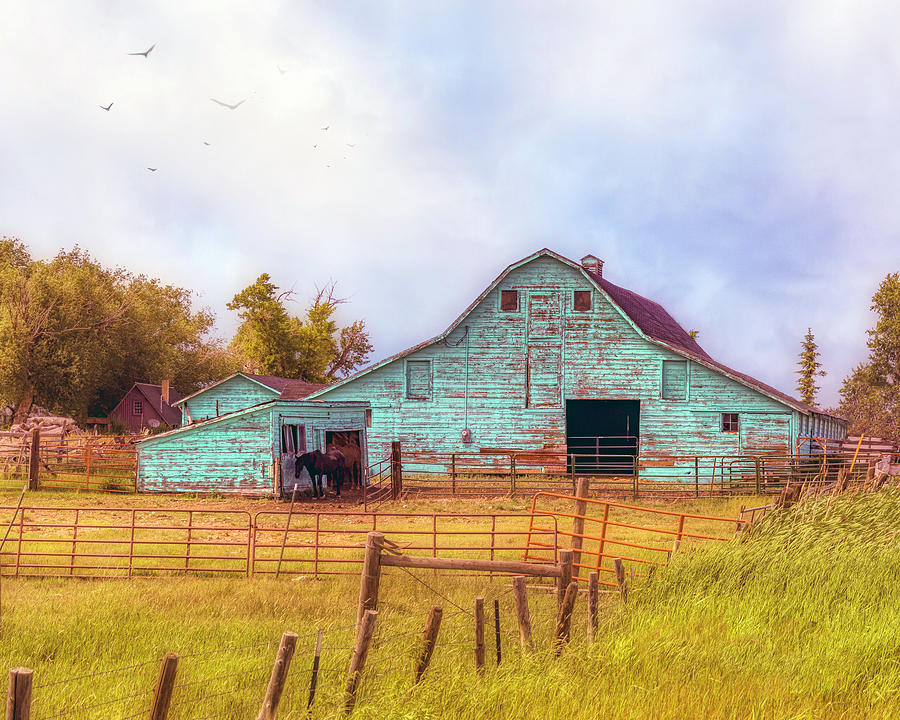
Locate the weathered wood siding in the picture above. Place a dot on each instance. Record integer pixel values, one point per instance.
(233, 454)
(564, 354)
(236, 393)
(237, 453)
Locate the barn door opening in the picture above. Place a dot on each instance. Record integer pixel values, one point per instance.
(602, 435)
(293, 443)
(349, 442)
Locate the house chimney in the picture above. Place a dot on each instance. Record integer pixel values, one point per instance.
(165, 392)
(592, 264)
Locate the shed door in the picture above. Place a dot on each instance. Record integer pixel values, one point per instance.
(542, 376)
(544, 316)
(764, 433)
(293, 443)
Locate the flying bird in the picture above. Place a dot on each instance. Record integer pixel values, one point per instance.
(152, 169)
(281, 70)
(205, 143)
(315, 146)
(146, 52)
(107, 107)
(351, 145)
(325, 128)
(230, 107)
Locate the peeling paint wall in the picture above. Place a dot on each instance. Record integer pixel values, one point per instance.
(500, 379)
(235, 393)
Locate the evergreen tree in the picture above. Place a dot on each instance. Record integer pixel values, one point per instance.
(810, 367)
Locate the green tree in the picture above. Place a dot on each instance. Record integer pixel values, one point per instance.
(273, 342)
(74, 335)
(809, 368)
(870, 396)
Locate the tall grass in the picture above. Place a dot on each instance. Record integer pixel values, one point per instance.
(800, 621)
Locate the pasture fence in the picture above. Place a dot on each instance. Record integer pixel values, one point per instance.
(104, 463)
(422, 474)
(315, 674)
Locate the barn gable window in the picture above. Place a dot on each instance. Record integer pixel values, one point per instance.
(509, 301)
(137, 407)
(674, 380)
(582, 300)
(730, 422)
(418, 379)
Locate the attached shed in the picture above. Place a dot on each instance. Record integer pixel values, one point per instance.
(248, 451)
(553, 357)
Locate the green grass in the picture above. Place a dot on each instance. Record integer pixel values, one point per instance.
(801, 621)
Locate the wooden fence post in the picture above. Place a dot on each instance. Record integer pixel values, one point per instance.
(165, 683)
(34, 464)
(566, 557)
(523, 616)
(758, 478)
(696, 476)
(269, 709)
(620, 579)
(358, 661)
(564, 618)
(371, 574)
(512, 475)
(593, 599)
(581, 492)
(479, 635)
(635, 472)
(396, 470)
(18, 699)
(429, 638)
(453, 473)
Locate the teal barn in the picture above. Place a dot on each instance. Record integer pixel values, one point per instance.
(554, 358)
(551, 359)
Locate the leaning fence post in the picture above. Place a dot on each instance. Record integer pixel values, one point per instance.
(479, 635)
(523, 616)
(497, 628)
(165, 683)
(358, 661)
(620, 579)
(371, 574)
(34, 464)
(314, 678)
(18, 699)
(566, 558)
(269, 708)
(564, 618)
(581, 492)
(429, 638)
(593, 598)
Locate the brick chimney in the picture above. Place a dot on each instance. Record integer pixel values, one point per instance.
(593, 265)
(165, 392)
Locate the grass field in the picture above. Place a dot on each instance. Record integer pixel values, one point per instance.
(802, 621)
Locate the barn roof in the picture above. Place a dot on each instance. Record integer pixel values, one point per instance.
(648, 317)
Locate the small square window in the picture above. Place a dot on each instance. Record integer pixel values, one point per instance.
(674, 380)
(509, 301)
(137, 407)
(582, 300)
(730, 422)
(418, 379)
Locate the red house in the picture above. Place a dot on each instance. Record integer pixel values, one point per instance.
(148, 406)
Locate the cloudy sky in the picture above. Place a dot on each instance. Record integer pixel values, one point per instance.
(737, 162)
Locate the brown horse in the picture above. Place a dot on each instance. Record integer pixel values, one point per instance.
(331, 463)
(348, 444)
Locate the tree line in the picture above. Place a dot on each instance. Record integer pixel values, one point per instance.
(75, 335)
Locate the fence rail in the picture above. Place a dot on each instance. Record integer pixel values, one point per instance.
(435, 474)
(126, 542)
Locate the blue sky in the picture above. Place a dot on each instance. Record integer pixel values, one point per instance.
(737, 164)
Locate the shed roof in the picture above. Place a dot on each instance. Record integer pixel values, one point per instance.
(648, 317)
(286, 388)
